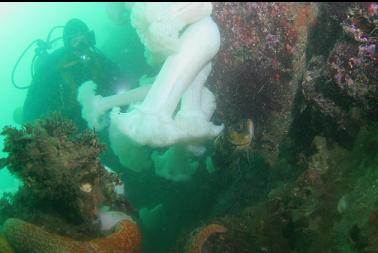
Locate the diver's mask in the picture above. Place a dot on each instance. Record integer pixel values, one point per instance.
(80, 45)
(80, 42)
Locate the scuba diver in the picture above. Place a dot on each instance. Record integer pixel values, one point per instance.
(59, 75)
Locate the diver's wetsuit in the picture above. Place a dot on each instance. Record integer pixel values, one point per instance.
(55, 84)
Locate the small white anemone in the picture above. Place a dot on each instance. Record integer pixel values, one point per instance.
(109, 219)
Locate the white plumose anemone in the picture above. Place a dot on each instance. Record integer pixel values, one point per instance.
(152, 122)
(185, 38)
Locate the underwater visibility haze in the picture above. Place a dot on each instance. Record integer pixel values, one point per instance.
(210, 127)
